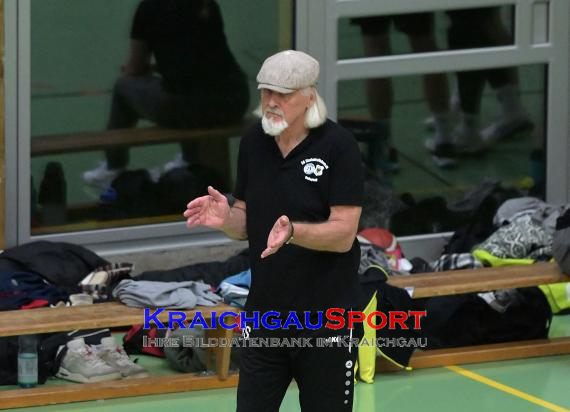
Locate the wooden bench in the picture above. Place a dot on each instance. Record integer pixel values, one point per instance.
(86, 141)
(106, 315)
(455, 282)
(480, 280)
(421, 285)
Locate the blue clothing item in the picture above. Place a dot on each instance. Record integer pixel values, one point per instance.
(20, 288)
(242, 279)
(238, 302)
(235, 289)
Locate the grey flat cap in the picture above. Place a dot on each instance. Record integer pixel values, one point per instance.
(288, 71)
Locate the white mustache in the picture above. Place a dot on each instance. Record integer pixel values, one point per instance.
(276, 111)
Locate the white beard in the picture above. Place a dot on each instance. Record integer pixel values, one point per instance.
(273, 128)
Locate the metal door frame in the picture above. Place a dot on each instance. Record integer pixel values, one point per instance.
(317, 33)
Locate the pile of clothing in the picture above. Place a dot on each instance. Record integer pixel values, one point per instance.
(42, 274)
(522, 231)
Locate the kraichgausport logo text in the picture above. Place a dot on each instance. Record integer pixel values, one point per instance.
(333, 318)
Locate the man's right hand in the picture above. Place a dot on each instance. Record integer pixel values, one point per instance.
(211, 210)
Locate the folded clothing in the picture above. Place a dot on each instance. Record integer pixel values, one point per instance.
(100, 282)
(168, 295)
(456, 261)
(542, 213)
(234, 290)
(521, 239)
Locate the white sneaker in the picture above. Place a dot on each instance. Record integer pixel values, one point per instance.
(443, 152)
(100, 177)
(81, 364)
(155, 173)
(175, 163)
(444, 162)
(115, 356)
(158, 171)
(506, 126)
(454, 112)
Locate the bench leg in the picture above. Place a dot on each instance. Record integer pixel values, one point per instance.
(223, 361)
(222, 352)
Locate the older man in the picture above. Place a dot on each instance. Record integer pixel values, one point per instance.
(299, 191)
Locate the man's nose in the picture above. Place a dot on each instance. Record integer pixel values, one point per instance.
(272, 102)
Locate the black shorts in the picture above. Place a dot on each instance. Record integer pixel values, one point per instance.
(324, 374)
(472, 17)
(411, 24)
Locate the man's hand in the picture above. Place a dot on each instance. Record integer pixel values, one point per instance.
(280, 233)
(211, 210)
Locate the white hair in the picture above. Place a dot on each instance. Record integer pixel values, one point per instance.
(273, 128)
(316, 114)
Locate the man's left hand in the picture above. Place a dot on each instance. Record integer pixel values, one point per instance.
(280, 233)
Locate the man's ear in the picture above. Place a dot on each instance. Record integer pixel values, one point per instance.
(312, 98)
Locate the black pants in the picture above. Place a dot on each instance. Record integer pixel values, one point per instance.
(324, 374)
(144, 97)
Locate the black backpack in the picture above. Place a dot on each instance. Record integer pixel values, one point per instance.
(465, 320)
(180, 185)
(132, 194)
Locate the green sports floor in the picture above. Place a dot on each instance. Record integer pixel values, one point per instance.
(527, 385)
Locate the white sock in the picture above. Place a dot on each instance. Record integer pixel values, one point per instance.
(442, 123)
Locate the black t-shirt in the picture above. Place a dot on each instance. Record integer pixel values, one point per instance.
(324, 170)
(188, 41)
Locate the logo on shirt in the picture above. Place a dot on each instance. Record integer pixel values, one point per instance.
(245, 332)
(313, 168)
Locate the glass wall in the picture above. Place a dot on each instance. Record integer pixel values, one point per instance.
(124, 112)
(137, 106)
(421, 180)
(442, 145)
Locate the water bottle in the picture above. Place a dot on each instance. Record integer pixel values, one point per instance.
(27, 361)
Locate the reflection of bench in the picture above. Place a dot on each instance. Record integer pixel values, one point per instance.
(210, 151)
(92, 224)
(105, 315)
(210, 144)
(85, 141)
(480, 280)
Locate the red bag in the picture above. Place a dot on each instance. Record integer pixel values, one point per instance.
(133, 341)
